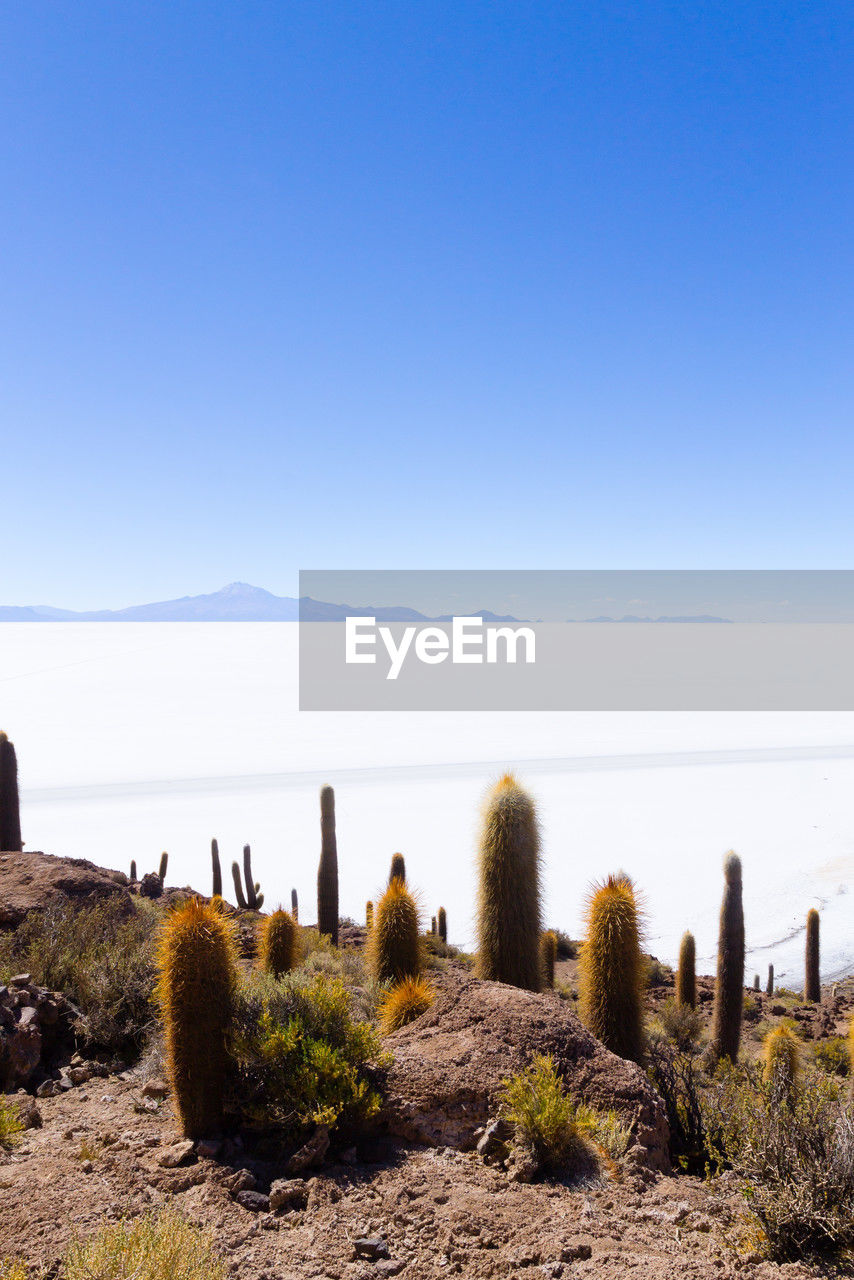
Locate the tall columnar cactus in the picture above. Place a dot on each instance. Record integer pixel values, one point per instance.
(369, 915)
(433, 928)
(295, 906)
(216, 891)
(10, 806)
(197, 978)
(277, 944)
(769, 990)
(729, 983)
(251, 888)
(812, 982)
(686, 974)
(394, 943)
(238, 886)
(548, 952)
(442, 922)
(162, 869)
(398, 868)
(781, 1057)
(612, 973)
(327, 871)
(508, 907)
(132, 871)
(756, 982)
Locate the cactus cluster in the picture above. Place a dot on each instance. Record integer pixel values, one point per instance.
(612, 974)
(508, 907)
(252, 899)
(197, 964)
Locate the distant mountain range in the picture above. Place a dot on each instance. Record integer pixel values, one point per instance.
(238, 602)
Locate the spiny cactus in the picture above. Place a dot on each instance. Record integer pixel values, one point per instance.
(216, 891)
(369, 915)
(686, 974)
(812, 982)
(394, 945)
(277, 944)
(132, 871)
(442, 922)
(548, 952)
(781, 1057)
(406, 1001)
(327, 871)
(251, 895)
(295, 906)
(729, 982)
(398, 868)
(433, 926)
(508, 908)
(197, 977)
(756, 982)
(238, 886)
(10, 805)
(164, 864)
(612, 973)
(769, 990)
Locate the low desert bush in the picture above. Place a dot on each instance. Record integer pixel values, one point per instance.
(405, 1002)
(793, 1150)
(101, 957)
(566, 948)
(12, 1270)
(10, 1123)
(657, 974)
(677, 1075)
(302, 1052)
(558, 1130)
(831, 1056)
(680, 1023)
(152, 1247)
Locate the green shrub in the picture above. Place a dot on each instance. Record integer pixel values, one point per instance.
(10, 1123)
(545, 1118)
(301, 1053)
(676, 1073)
(680, 1023)
(831, 1056)
(101, 957)
(794, 1153)
(567, 949)
(152, 1247)
(10, 1269)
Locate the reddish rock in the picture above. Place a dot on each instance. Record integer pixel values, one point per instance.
(31, 881)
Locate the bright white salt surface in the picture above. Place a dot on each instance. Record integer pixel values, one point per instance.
(134, 738)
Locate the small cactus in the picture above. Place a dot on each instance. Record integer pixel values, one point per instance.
(548, 952)
(442, 922)
(369, 915)
(781, 1058)
(405, 1002)
(612, 973)
(216, 891)
(398, 868)
(277, 944)
(769, 990)
(756, 982)
(295, 906)
(161, 870)
(729, 983)
(10, 805)
(197, 978)
(508, 909)
(132, 871)
(433, 932)
(812, 982)
(394, 944)
(686, 974)
(327, 871)
(238, 886)
(251, 887)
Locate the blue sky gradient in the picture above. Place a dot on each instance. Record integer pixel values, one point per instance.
(421, 285)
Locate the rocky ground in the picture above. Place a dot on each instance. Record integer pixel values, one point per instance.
(414, 1199)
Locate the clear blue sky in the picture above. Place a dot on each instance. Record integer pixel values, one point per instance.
(392, 285)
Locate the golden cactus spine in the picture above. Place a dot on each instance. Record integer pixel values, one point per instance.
(197, 976)
(394, 943)
(729, 981)
(277, 943)
(327, 871)
(508, 908)
(812, 980)
(781, 1059)
(686, 974)
(612, 973)
(369, 915)
(548, 954)
(10, 805)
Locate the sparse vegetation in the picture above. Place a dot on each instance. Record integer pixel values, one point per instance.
(10, 1123)
(160, 1246)
(545, 1118)
(680, 1023)
(831, 1056)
